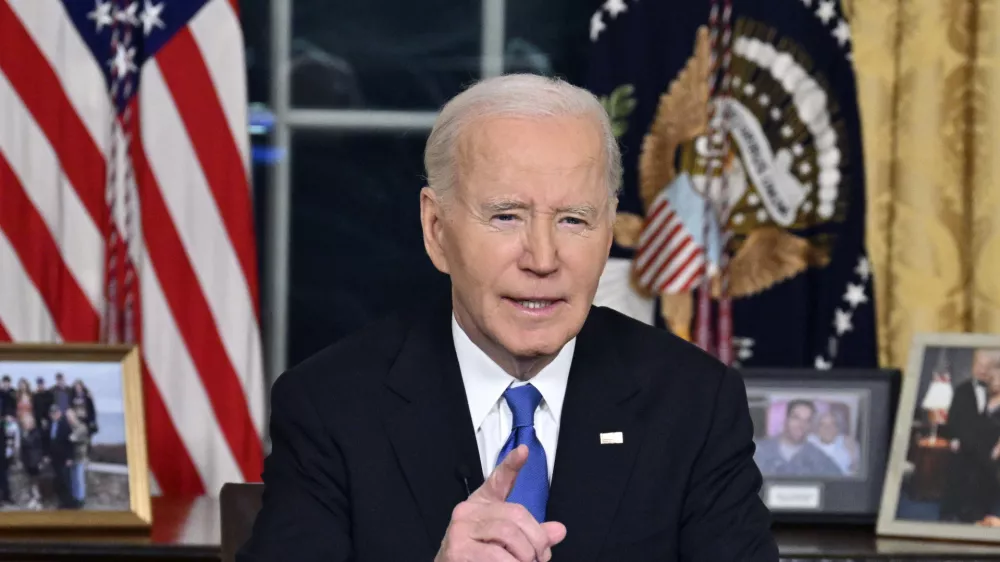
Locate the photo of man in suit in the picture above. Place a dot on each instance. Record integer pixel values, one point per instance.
(516, 422)
(973, 489)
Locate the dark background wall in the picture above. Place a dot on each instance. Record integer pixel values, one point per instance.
(357, 252)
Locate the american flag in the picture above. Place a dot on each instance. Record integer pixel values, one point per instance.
(671, 256)
(668, 259)
(125, 213)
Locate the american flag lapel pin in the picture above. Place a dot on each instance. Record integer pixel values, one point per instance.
(613, 438)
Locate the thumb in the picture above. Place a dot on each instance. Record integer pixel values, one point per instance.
(556, 532)
(499, 485)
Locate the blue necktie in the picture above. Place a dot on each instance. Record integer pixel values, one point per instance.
(531, 489)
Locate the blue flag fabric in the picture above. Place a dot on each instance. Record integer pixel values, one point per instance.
(799, 274)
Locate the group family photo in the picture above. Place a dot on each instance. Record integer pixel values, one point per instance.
(63, 437)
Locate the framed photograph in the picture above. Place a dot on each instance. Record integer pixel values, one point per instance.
(73, 438)
(821, 439)
(943, 479)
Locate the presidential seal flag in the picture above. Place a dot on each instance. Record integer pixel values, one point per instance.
(741, 226)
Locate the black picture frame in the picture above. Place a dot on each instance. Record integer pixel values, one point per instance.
(851, 497)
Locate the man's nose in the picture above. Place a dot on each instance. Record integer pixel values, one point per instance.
(540, 253)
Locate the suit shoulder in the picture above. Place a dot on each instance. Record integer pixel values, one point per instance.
(363, 356)
(642, 342)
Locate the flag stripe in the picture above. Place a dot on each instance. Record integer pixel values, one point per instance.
(169, 458)
(216, 31)
(79, 156)
(55, 37)
(652, 225)
(4, 336)
(176, 376)
(194, 320)
(80, 244)
(688, 255)
(23, 313)
(203, 237)
(662, 230)
(667, 239)
(693, 261)
(32, 242)
(667, 257)
(692, 275)
(198, 105)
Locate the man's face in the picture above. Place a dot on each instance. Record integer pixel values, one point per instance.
(982, 362)
(797, 423)
(526, 232)
(827, 428)
(5, 385)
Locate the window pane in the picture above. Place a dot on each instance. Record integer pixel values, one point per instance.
(549, 37)
(383, 54)
(357, 248)
(255, 20)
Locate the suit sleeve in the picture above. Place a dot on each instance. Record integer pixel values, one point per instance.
(976, 434)
(724, 519)
(305, 514)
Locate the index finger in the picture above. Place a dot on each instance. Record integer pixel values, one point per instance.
(500, 483)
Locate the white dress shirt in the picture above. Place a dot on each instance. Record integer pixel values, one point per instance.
(485, 383)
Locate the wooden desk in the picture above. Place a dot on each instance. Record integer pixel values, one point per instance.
(189, 531)
(859, 544)
(185, 530)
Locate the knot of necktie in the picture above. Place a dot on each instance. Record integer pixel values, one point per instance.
(523, 401)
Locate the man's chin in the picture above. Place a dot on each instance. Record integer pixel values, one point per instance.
(531, 348)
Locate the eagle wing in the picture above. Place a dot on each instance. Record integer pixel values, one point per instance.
(681, 115)
(768, 256)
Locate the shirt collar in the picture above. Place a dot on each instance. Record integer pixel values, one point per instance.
(485, 381)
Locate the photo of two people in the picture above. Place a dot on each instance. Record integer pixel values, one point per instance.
(807, 434)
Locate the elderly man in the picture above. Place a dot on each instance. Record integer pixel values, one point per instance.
(972, 488)
(520, 422)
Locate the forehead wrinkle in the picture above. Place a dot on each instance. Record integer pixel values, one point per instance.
(481, 144)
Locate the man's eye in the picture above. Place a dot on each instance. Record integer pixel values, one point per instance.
(505, 217)
(574, 220)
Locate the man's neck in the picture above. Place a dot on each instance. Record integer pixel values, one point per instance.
(789, 443)
(521, 368)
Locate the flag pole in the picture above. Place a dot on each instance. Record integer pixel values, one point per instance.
(720, 16)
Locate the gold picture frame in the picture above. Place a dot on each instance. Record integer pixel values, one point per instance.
(922, 495)
(133, 514)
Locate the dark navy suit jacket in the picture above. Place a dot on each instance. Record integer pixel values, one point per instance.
(369, 434)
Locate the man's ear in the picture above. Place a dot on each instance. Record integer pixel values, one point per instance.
(432, 224)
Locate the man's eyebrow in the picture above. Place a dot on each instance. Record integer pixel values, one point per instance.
(504, 205)
(501, 205)
(583, 210)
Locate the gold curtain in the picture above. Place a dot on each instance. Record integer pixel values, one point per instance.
(928, 73)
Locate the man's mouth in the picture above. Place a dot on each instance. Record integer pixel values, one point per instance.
(534, 304)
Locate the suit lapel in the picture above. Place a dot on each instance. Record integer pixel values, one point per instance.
(589, 477)
(429, 425)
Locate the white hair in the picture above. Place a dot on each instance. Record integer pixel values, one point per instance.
(514, 95)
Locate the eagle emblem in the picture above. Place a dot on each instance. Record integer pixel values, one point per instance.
(782, 177)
